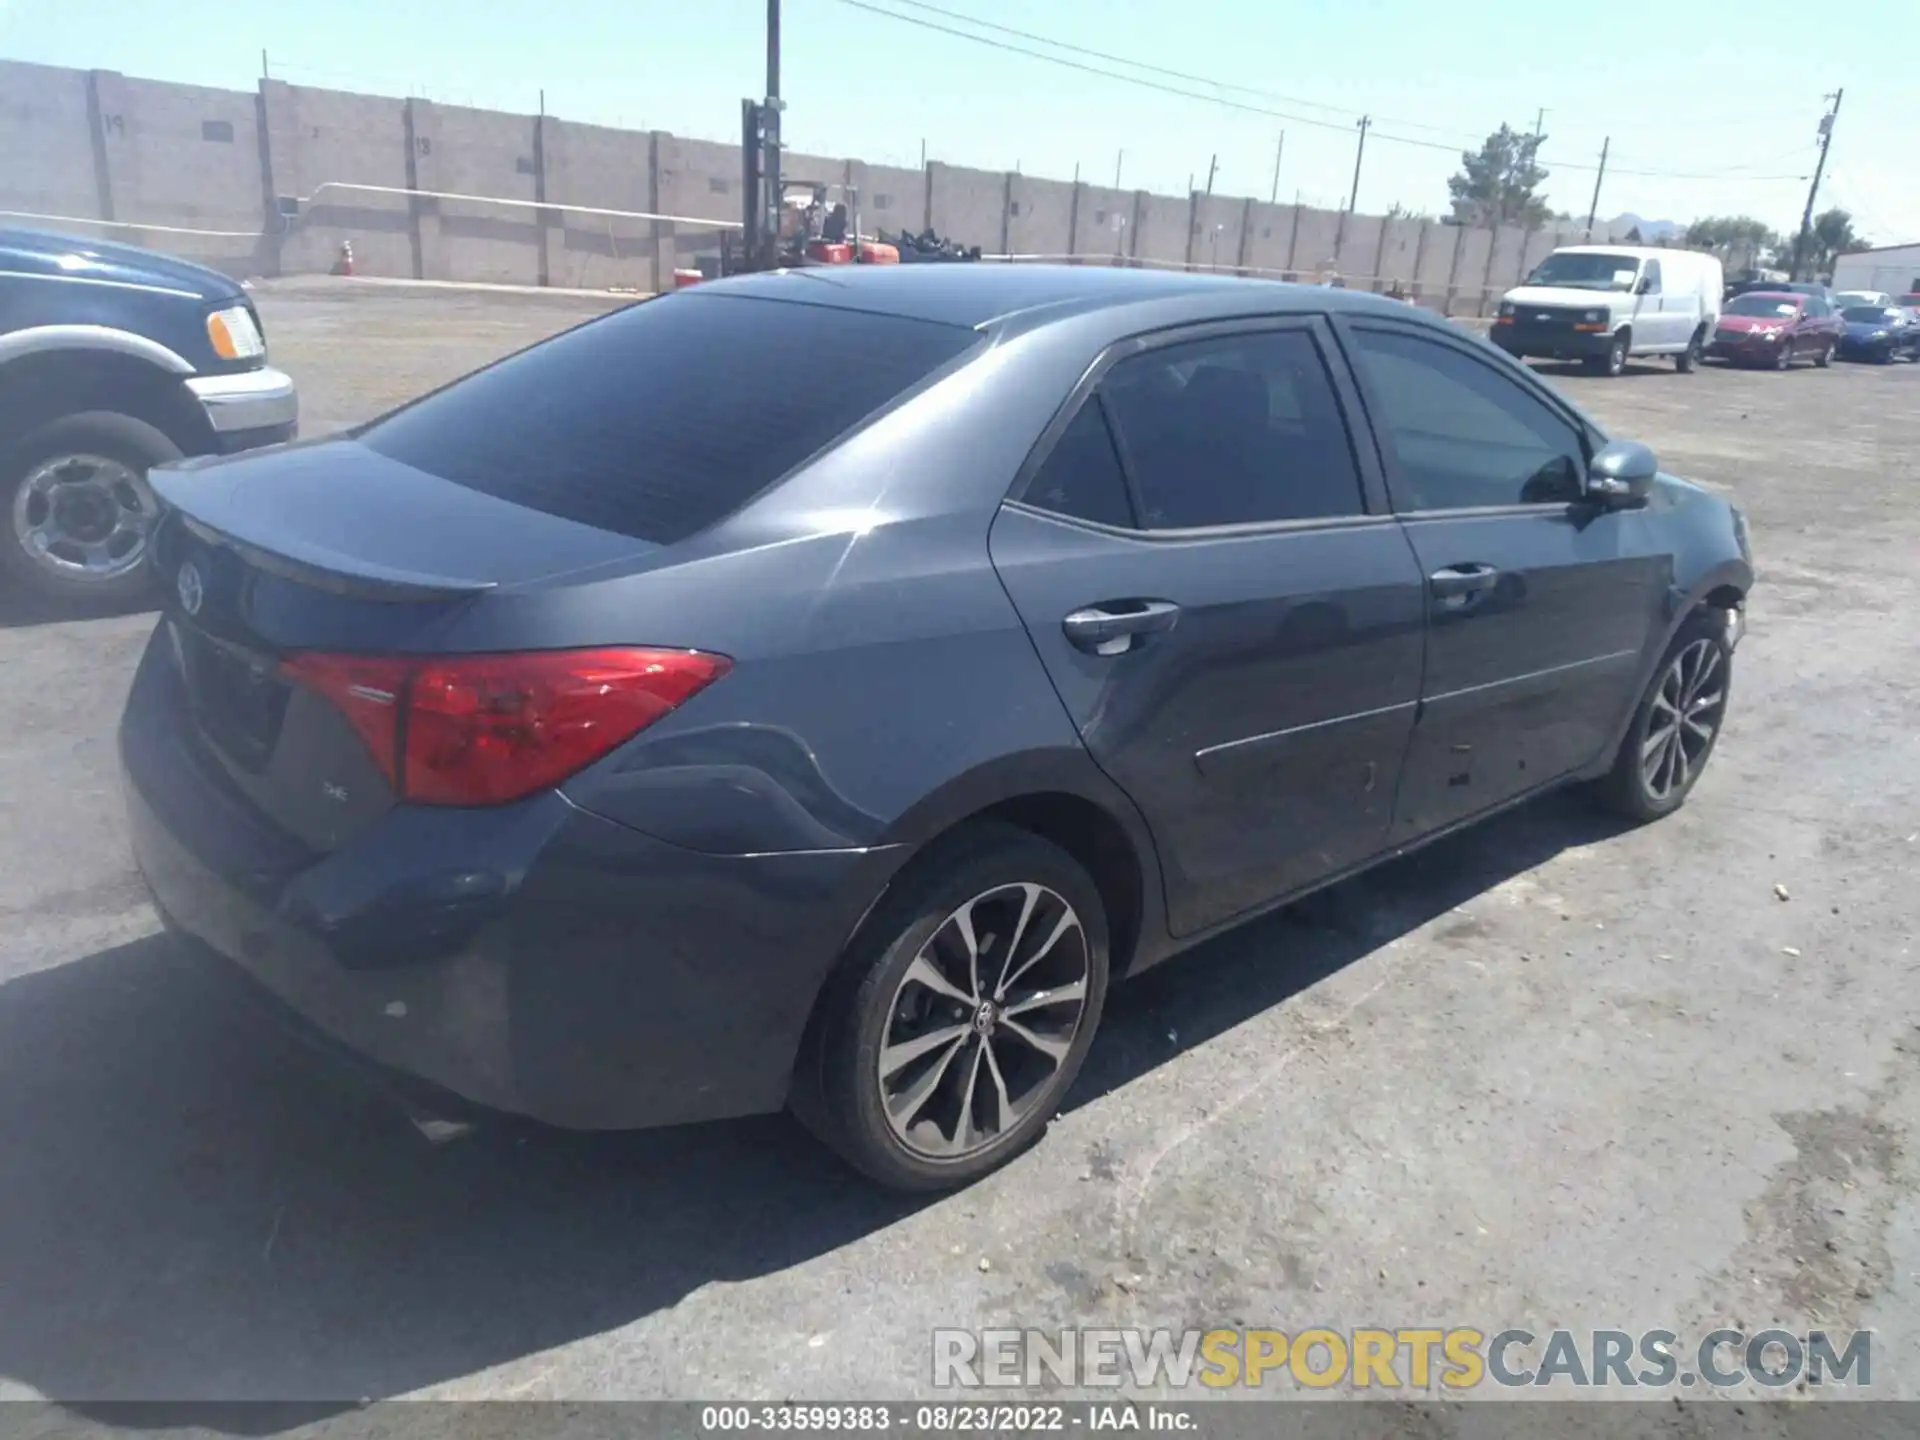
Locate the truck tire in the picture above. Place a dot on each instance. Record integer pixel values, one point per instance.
(1688, 360)
(1614, 362)
(80, 513)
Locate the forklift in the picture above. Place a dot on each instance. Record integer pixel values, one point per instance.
(791, 224)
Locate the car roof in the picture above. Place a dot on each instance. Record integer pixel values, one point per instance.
(979, 293)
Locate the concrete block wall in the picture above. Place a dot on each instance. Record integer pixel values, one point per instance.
(969, 205)
(1214, 232)
(96, 146)
(1316, 239)
(1435, 271)
(1041, 216)
(1104, 221)
(610, 170)
(477, 152)
(46, 137)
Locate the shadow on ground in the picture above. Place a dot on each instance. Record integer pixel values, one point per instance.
(195, 1208)
(18, 609)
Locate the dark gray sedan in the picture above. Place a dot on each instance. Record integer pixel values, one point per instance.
(814, 689)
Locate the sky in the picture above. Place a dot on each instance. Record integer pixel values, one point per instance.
(1712, 106)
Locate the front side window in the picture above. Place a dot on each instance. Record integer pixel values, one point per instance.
(1240, 430)
(1463, 434)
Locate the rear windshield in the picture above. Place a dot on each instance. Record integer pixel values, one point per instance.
(664, 418)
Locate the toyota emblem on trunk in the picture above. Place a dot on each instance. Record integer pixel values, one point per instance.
(192, 590)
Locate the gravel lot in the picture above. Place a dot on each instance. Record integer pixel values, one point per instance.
(1548, 1073)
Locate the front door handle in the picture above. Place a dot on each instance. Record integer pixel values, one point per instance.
(1113, 627)
(1457, 582)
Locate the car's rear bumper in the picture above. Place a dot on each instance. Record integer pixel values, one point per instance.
(249, 409)
(533, 959)
(1551, 343)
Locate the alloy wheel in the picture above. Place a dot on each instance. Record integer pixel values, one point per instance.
(1683, 718)
(983, 1020)
(84, 517)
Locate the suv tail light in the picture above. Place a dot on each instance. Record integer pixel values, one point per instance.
(486, 729)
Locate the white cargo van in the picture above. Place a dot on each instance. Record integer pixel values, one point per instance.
(1601, 303)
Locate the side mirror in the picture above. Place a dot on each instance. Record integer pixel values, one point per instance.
(1644, 286)
(1621, 474)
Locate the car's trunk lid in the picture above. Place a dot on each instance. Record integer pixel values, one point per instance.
(327, 548)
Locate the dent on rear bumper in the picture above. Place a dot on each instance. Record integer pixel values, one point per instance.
(614, 982)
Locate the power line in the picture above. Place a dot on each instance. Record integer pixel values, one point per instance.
(1159, 69)
(1241, 106)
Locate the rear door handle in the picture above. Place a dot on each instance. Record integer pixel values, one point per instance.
(1456, 582)
(1113, 627)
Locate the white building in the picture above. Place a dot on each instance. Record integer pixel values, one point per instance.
(1894, 269)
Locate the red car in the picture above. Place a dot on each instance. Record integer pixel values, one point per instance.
(1776, 327)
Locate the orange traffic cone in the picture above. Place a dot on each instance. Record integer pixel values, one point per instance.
(344, 265)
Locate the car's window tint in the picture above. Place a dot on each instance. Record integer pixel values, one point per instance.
(1081, 476)
(1464, 434)
(666, 417)
(1234, 431)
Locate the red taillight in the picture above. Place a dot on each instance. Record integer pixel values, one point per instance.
(485, 729)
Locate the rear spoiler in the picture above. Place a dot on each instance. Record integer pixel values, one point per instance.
(326, 570)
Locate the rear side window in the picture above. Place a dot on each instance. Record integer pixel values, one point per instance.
(1081, 476)
(662, 419)
(1240, 430)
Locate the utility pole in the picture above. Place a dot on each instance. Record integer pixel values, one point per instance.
(1274, 197)
(770, 211)
(1806, 218)
(265, 74)
(1118, 156)
(1594, 206)
(1213, 166)
(1359, 155)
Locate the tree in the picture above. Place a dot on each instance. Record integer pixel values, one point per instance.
(1732, 232)
(1831, 236)
(1499, 185)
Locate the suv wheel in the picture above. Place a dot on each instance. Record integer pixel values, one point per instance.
(1675, 726)
(964, 1010)
(81, 510)
(1825, 357)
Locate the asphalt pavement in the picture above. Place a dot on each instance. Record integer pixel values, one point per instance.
(1551, 1072)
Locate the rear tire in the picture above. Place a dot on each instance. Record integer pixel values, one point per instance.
(1675, 726)
(1688, 360)
(1825, 357)
(877, 1082)
(75, 491)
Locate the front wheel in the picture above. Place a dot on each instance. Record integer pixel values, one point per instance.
(962, 1013)
(81, 510)
(1611, 363)
(1675, 725)
(1783, 359)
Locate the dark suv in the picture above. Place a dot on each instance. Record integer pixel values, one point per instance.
(667, 723)
(114, 359)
